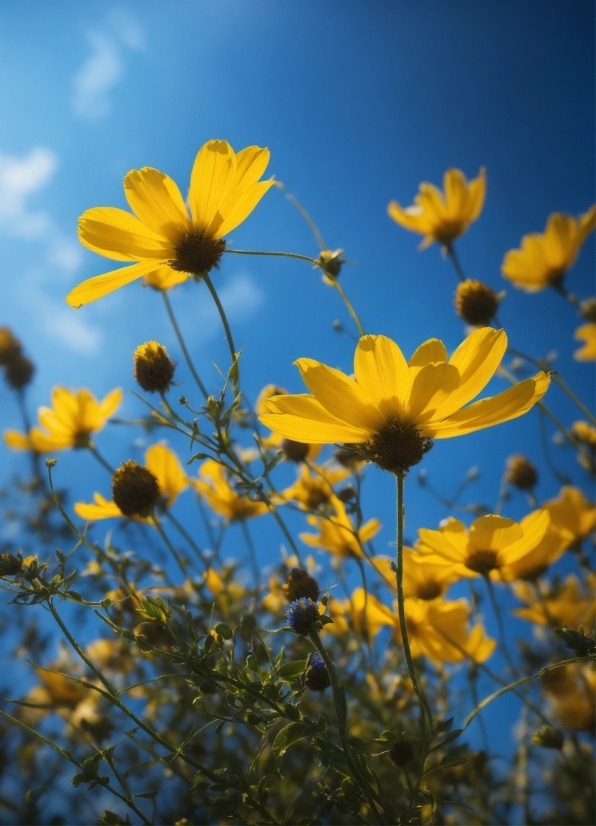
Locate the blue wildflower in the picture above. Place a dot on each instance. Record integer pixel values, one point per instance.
(317, 677)
(301, 615)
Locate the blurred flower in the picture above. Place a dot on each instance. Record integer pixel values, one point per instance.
(393, 409)
(293, 451)
(71, 420)
(572, 689)
(10, 346)
(587, 334)
(214, 486)
(492, 543)
(164, 466)
(568, 604)
(443, 217)
(167, 244)
(317, 677)
(544, 258)
(476, 303)
(19, 372)
(153, 368)
(135, 489)
(223, 584)
(521, 473)
(337, 534)
(585, 433)
(313, 489)
(331, 263)
(424, 579)
(572, 512)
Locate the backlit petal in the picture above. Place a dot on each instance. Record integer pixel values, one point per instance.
(110, 403)
(118, 234)
(534, 526)
(432, 384)
(166, 467)
(212, 174)
(493, 533)
(234, 212)
(476, 196)
(156, 201)
(456, 195)
(408, 218)
(341, 396)
(16, 440)
(101, 509)
(303, 419)
(100, 285)
(428, 352)
(381, 370)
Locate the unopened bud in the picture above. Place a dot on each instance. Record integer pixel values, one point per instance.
(19, 372)
(401, 752)
(521, 473)
(475, 302)
(153, 368)
(10, 346)
(548, 737)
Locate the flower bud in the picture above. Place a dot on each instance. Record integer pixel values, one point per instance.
(548, 737)
(10, 346)
(134, 489)
(401, 752)
(317, 677)
(19, 372)
(521, 473)
(301, 584)
(475, 302)
(153, 368)
(330, 262)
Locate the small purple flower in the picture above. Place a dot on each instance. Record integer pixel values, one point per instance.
(301, 615)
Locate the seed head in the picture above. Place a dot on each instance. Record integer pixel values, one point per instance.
(475, 303)
(19, 372)
(134, 489)
(521, 473)
(197, 253)
(153, 368)
(300, 584)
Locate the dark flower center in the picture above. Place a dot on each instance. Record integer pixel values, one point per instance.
(483, 561)
(396, 448)
(428, 590)
(197, 253)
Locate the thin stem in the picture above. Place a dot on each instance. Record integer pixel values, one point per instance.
(253, 557)
(497, 613)
(185, 352)
(168, 544)
(91, 447)
(313, 227)
(558, 381)
(20, 393)
(346, 301)
(224, 321)
(453, 255)
(399, 580)
(183, 532)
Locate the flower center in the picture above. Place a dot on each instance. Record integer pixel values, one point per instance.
(396, 448)
(428, 590)
(197, 253)
(483, 561)
(134, 489)
(82, 439)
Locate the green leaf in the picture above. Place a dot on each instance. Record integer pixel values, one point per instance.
(290, 734)
(444, 725)
(291, 671)
(324, 619)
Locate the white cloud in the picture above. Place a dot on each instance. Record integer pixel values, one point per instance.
(20, 178)
(61, 323)
(65, 253)
(105, 66)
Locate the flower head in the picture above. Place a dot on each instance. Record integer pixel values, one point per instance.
(166, 243)
(544, 258)
(10, 346)
(490, 545)
(135, 489)
(572, 512)
(476, 303)
(314, 489)
(163, 465)
(317, 677)
(443, 216)
(567, 604)
(587, 334)
(337, 534)
(302, 614)
(393, 409)
(153, 368)
(70, 422)
(215, 487)
(521, 473)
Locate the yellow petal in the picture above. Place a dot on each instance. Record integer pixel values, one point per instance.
(156, 201)
(212, 174)
(303, 419)
(408, 218)
(493, 533)
(381, 370)
(16, 440)
(110, 403)
(534, 527)
(476, 359)
(428, 352)
(476, 195)
(100, 285)
(118, 234)
(164, 278)
(527, 268)
(101, 509)
(48, 442)
(560, 241)
(450, 542)
(341, 396)
(432, 384)
(503, 407)
(166, 467)
(456, 193)
(234, 213)
(587, 224)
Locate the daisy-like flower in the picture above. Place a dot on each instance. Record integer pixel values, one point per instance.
(572, 512)
(587, 334)
(490, 545)
(313, 489)
(166, 243)
(569, 604)
(74, 416)
(215, 487)
(293, 451)
(163, 464)
(438, 628)
(337, 534)
(544, 258)
(393, 408)
(443, 216)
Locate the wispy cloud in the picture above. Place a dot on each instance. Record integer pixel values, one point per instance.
(19, 179)
(105, 65)
(59, 323)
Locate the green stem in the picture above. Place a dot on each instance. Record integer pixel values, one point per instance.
(453, 255)
(399, 580)
(168, 544)
(499, 619)
(224, 321)
(253, 559)
(183, 532)
(351, 310)
(185, 352)
(558, 381)
(91, 447)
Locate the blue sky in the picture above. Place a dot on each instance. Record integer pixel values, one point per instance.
(358, 102)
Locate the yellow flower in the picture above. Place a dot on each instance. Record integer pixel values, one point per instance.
(535, 563)
(71, 420)
(424, 579)
(443, 217)
(393, 409)
(587, 334)
(572, 512)
(492, 544)
(568, 604)
(544, 258)
(337, 534)
(171, 479)
(223, 586)
(437, 629)
(290, 448)
(215, 487)
(585, 433)
(313, 490)
(573, 692)
(166, 243)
